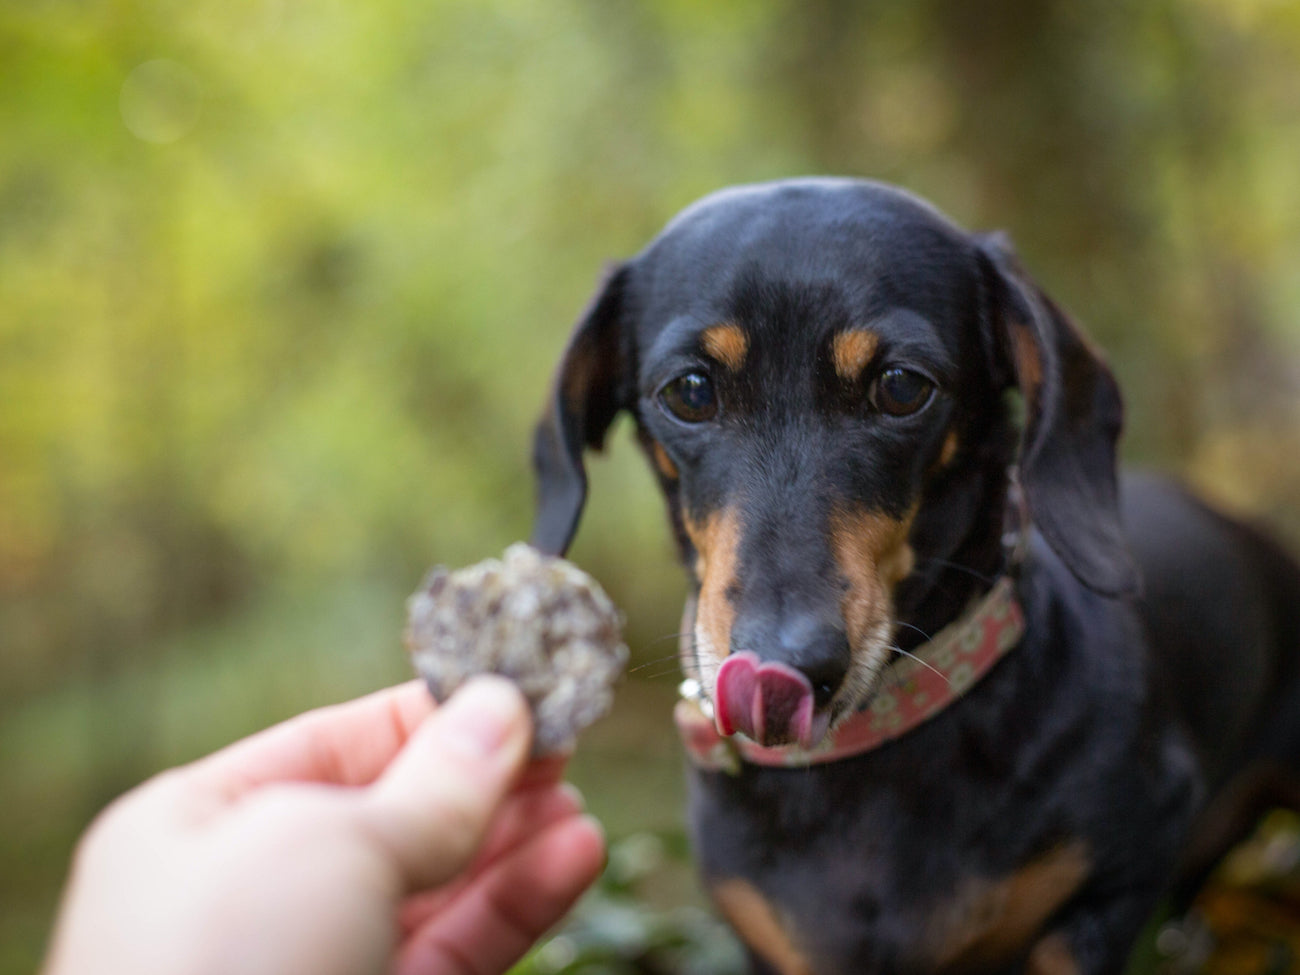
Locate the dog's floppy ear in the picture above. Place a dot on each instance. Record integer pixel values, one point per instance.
(592, 383)
(1073, 417)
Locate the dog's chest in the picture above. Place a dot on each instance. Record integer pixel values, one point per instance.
(852, 892)
(802, 927)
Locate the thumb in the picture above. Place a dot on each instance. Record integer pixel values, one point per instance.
(432, 806)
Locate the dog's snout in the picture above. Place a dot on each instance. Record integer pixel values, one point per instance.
(817, 648)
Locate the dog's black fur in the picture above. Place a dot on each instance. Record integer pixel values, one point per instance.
(1154, 701)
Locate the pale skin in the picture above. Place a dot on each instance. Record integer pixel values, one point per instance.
(381, 835)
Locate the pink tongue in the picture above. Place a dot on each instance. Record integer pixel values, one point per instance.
(772, 703)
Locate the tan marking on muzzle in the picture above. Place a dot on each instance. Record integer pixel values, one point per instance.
(727, 343)
(757, 923)
(852, 351)
(991, 922)
(716, 543)
(873, 555)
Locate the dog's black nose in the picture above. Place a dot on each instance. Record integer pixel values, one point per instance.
(814, 646)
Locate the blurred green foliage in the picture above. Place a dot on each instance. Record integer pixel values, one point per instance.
(282, 283)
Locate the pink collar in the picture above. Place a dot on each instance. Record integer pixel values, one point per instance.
(914, 691)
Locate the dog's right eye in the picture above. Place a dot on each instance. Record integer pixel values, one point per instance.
(901, 392)
(690, 398)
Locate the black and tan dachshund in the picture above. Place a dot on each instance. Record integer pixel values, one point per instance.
(970, 702)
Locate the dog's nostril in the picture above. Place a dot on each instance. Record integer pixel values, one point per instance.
(823, 657)
(825, 680)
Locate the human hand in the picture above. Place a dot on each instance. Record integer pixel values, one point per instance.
(376, 835)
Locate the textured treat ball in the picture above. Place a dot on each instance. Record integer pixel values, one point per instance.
(542, 622)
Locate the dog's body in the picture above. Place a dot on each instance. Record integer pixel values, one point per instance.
(817, 370)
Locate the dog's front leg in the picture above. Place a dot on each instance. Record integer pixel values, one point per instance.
(1095, 937)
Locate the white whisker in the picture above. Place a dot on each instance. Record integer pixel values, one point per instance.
(915, 629)
(928, 666)
(652, 663)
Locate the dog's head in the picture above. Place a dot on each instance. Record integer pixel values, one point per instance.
(817, 372)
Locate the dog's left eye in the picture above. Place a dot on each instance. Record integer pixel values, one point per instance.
(901, 392)
(690, 398)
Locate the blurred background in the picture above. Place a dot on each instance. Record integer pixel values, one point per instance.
(282, 284)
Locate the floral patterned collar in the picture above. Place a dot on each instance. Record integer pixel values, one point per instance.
(915, 689)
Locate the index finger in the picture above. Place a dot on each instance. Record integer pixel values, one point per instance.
(346, 744)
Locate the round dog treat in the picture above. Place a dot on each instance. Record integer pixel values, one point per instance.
(541, 622)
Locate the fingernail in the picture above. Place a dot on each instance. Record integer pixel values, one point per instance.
(573, 794)
(594, 824)
(598, 828)
(482, 715)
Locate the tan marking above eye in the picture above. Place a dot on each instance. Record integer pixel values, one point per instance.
(716, 543)
(759, 926)
(727, 343)
(851, 352)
